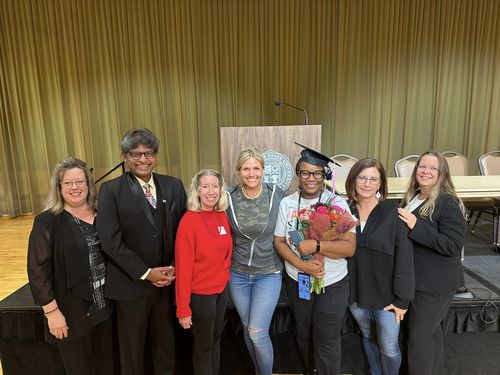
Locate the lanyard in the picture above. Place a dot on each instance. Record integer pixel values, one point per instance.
(298, 206)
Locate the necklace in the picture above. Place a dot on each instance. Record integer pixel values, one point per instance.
(249, 196)
(85, 214)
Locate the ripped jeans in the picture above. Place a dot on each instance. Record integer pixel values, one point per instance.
(255, 298)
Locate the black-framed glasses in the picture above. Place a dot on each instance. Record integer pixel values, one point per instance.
(69, 184)
(136, 155)
(318, 175)
(371, 180)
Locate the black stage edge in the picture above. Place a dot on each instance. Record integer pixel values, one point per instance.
(472, 341)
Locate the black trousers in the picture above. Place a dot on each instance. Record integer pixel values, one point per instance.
(320, 320)
(148, 321)
(91, 354)
(208, 324)
(425, 317)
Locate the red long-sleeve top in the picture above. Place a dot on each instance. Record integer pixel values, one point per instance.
(203, 249)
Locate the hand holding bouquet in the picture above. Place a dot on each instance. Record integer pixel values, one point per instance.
(323, 221)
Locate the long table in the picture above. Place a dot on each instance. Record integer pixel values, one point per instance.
(466, 186)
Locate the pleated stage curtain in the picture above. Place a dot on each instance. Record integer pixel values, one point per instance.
(385, 78)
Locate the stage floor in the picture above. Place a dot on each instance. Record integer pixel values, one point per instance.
(482, 275)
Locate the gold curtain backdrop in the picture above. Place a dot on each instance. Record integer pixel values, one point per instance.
(385, 78)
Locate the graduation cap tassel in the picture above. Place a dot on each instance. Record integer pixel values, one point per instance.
(333, 181)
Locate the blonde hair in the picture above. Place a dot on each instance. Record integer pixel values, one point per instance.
(248, 153)
(55, 201)
(444, 185)
(194, 204)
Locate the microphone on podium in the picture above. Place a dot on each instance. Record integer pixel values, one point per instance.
(278, 102)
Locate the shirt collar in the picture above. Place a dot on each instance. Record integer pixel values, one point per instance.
(151, 183)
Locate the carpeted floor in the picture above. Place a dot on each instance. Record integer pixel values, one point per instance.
(482, 261)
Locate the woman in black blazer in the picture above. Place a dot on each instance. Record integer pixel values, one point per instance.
(381, 270)
(66, 272)
(435, 216)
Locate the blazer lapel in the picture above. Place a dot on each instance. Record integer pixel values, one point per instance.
(163, 204)
(136, 189)
(374, 214)
(373, 217)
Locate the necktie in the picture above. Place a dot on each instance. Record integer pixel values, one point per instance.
(149, 196)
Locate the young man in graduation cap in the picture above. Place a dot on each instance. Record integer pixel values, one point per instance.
(318, 317)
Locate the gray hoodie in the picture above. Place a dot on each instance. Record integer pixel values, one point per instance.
(253, 250)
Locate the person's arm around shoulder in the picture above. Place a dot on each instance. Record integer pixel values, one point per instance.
(445, 233)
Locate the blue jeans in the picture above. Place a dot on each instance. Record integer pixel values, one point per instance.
(255, 298)
(380, 339)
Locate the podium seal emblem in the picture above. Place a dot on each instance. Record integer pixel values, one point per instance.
(278, 169)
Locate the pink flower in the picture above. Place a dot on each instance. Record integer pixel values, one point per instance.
(318, 224)
(323, 221)
(322, 210)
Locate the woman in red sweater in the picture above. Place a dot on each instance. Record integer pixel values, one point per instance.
(203, 249)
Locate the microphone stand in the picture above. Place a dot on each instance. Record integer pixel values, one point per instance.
(278, 102)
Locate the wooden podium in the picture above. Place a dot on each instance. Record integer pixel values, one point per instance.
(273, 141)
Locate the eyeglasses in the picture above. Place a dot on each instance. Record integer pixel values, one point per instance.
(136, 155)
(69, 184)
(318, 175)
(424, 168)
(371, 180)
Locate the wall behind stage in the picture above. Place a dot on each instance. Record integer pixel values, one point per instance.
(386, 78)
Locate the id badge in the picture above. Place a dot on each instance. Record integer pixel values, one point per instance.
(304, 281)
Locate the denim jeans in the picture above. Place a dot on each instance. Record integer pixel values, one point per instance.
(255, 298)
(380, 339)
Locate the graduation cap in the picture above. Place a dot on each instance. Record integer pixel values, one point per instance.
(314, 157)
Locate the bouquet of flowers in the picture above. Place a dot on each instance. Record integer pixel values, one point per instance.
(323, 221)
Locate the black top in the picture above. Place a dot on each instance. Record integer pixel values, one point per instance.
(60, 251)
(437, 244)
(381, 270)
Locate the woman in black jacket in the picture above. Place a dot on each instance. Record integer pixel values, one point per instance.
(435, 216)
(381, 270)
(66, 272)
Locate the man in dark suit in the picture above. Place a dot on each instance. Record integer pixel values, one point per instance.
(137, 221)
